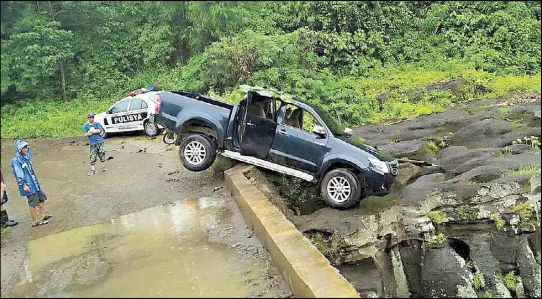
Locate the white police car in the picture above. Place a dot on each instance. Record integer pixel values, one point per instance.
(133, 113)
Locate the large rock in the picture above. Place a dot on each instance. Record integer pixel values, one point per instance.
(481, 174)
(406, 172)
(487, 265)
(482, 133)
(529, 270)
(457, 161)
(445, 275)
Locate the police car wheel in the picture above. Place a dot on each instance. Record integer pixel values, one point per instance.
(151, 129)
(197, 152)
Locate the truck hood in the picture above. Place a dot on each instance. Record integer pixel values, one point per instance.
(357, 142)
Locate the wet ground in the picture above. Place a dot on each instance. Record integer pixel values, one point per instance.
(145, 228)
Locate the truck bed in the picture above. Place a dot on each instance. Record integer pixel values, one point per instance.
(178, 107)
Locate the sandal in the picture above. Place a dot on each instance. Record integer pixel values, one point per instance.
(47, 217)
(39, 223)
(92, 173)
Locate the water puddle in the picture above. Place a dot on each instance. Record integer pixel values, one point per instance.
(159, 252)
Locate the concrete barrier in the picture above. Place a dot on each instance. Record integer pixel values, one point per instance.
(304, 268)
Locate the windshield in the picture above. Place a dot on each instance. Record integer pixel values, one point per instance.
(331, 122)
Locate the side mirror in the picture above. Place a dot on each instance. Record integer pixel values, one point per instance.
(319, 130)
(348, 132)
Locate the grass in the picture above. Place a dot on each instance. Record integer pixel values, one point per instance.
(538, 258)
(50, 118)
(523, 170)
(488, 295)
(478, 280)
(437, 217)
(503, 153)
(525, 212)
(352, 97)
(438, 239)
(222, 164)
(510, 280)
(499, 221)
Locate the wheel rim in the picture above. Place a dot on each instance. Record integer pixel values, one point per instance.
(339, 189)
(150, 128)
(195, 152)
(169, 138)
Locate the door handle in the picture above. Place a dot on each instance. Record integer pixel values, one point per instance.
(283, 132)
(250, 124)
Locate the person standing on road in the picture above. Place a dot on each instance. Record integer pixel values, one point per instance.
(4, 219)
(92, 130)
(21, 166)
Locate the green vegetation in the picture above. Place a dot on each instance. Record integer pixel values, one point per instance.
(499, 221)
(489, 295)
(363, 62)
(510, 280)
(525, 212)
(222, 164)
(524, 170)
(478, 281)
(503, 153)
(538, 257)
(438, 239)
(533, 141)
(437, 217)
(467, 212)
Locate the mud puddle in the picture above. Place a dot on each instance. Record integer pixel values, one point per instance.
(189, 248)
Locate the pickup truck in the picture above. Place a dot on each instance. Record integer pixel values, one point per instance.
(275, 131)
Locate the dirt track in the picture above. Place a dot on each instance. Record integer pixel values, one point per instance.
(142, 173)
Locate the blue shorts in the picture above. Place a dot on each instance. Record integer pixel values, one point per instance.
(35, 199)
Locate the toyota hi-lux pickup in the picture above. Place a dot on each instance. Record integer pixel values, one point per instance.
(272, 130)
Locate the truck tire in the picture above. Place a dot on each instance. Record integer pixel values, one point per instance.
(341, 189)
(151, 129)
(197, 152)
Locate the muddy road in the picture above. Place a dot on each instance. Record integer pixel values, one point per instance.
(145, 227)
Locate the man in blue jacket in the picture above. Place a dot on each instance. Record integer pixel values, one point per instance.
(21, 166)
(92, 130)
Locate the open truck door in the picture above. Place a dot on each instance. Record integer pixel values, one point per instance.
(258, 125)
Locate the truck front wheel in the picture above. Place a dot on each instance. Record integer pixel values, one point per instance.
(197, 152)
(341, 189)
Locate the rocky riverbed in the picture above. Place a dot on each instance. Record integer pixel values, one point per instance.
(468, 226)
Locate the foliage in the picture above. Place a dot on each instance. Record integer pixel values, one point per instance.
(525, 212)
(533, 141)
(478, 281)
(437, 217)
(499, 221)
(363, 62)
(538, 258)
(510, 280)
(438, 239)
(489, 295)
(503, 153)
(524, 170)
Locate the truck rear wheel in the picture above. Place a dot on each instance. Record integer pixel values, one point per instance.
(341, 189)
(197, 152)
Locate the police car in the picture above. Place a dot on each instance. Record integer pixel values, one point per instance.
(133, 113)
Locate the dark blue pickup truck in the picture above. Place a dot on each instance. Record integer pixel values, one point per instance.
(272, 130)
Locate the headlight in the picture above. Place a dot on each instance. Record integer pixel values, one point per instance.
(378, 166)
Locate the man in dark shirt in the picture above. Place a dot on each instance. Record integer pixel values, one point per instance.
(92, 130)
(4, 219)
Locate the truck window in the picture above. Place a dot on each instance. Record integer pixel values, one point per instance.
(298, 118)
(263, 107)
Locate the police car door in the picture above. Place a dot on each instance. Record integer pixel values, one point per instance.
(137, 113)
(116, 116)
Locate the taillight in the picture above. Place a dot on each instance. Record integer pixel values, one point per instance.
(157, 106)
